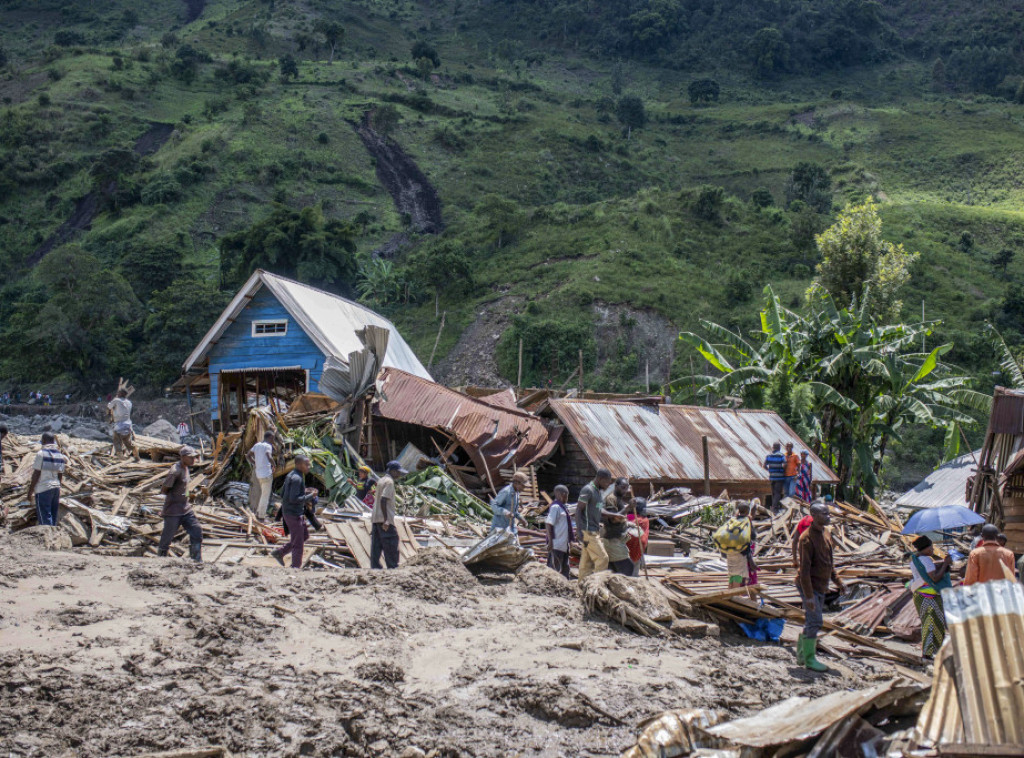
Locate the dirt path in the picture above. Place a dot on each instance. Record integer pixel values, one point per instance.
(87, 207)
(412, 192)
(110, 656)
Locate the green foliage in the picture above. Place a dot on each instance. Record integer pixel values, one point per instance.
(708, 203)
(150, 267)
(551, 345)
(301, 244)
(421, 49)
(380, 283)
(502, 219)
(762, 198)
(852, 383)
(332, 32)
(162, 188)
(179, 315)
(289, 67)
(631, 113)
(443, 267)
(703, 91)
(384, 119)
(769, 52)
(68, 38)
(855, 260)
(811, 184)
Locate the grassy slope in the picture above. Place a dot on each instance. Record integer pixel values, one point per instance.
(608, 225)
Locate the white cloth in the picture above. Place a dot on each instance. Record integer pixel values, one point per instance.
(917, 581)
(261, 496)
(560, 522)
(122, 409)
(49, 474)
(263, 452)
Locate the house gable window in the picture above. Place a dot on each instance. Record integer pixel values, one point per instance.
(269, 328)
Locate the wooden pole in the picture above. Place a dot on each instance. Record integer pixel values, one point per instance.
(436, 341)
(707, 466)
(580, 375)
(647, 376)
(519, 376)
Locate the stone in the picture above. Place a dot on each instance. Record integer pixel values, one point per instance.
(694, 628)
(412, 752)
(162, 429)
(88, 433)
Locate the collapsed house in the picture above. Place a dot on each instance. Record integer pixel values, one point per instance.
(278, 339)
(661, 446)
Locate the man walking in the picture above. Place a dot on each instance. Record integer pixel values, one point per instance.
(121, 411)
(813, 574)
(177, 510)
(589, 511)
(295, 497)
(775, 462)
(261, 458)
(505, 506)
(986, 561)
(47, 478)
(383, 537)
(559, 532)
(792, 469)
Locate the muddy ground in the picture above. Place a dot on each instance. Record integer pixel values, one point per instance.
(105, 656)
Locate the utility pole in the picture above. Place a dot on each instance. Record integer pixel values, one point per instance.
(647, 376)
(580, 379)
(922, 321)
(519, 378)
(707, 466)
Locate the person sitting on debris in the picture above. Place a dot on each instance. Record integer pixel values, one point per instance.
(121, 410)
(614, 528)
(986, 562)
(928, 581)
(775, 463)
(505, 506)
(366, 484)
(815, 569)
(637, 544)
(733, 540)
(261, 458)
(804, 489)
(295, 497)
(46, 481)
(383, 537)
(177, 510)
(559, 530)
(589, 511)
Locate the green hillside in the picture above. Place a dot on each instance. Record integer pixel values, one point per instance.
(189, 148)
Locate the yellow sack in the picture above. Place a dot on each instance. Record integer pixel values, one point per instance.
(733, 536)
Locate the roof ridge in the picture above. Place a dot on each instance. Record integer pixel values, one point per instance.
(264, 274)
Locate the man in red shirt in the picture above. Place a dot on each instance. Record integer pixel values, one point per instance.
(986, 562)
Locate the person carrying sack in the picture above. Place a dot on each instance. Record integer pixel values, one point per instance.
(733, 541)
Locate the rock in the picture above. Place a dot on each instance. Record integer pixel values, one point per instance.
(88, 433)
(694, 628)
(163, 429)
(380, 747)
(412, 752)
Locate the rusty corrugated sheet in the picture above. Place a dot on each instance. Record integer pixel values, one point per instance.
(946, 485)
(979, 699)
(521, 439)
(1007, 411)
(662, 443)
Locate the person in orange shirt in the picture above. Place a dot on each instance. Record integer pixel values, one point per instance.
(792, 469)
(983, 565)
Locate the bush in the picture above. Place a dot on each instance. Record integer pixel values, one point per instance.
(708, 204)
(762, 198)
(68, 38)
(703, 91)
(162, 188)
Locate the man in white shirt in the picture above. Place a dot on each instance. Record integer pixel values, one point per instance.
(261, 457)
(121, 410)
(559, 532)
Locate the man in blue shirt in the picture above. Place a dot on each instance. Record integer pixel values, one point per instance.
(775, 462)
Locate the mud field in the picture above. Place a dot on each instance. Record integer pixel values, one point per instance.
(104, 656)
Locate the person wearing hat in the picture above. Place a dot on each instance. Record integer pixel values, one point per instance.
(804, 475)
(927, 582)
(365, 484)
(505, 506)
(383, 537)
(177, 510)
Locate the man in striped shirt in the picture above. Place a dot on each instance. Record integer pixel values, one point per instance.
(775, 462)
(47, 477)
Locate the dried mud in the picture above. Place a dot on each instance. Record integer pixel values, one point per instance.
(108, 656)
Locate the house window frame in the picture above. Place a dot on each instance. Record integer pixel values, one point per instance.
(275, 321)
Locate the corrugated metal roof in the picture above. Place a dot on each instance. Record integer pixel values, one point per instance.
(330, 321)
(1007, 415)
(521, 438)
(946, 485)
(662, 443)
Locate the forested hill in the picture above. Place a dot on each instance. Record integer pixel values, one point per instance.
(575, 174)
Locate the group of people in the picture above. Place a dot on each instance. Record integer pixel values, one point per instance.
(610, 526)
(790, 475)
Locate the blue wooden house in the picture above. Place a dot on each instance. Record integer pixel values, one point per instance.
(272, 340)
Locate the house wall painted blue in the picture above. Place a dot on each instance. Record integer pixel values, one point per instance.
(238, 348)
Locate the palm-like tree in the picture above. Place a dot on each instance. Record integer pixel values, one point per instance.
(866, 380)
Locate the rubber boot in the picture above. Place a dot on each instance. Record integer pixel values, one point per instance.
(801, 657)
(810, 659)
